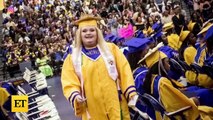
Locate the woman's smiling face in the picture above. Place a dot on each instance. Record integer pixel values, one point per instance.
(89, 36)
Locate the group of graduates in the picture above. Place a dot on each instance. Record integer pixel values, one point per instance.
(175, 73)
(174, 64)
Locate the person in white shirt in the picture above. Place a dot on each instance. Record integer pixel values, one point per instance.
(166, 17)
(5, 14)
(155, 13)
(10, 23)
(24, 38)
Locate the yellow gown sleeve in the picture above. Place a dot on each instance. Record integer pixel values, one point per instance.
(201, 79)
(205, 81)
(191, 77)
(4, 96)
(172, 99)
(125, 74)
(189, 55)
(71, 84)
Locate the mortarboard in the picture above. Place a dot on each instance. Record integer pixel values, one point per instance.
(87, 20)
(158, 34)
(168, 51)
(136, 44)
(113, 39)
(168, 26)
(108, 36)
(153, 56)
(183, 35)
(157, 27)
(205, 28)
(209, 33)
(139, 34)
(120, 39)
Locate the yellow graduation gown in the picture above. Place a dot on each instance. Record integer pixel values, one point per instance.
(100, 90)
(172, 99)
(201, 79)
(191, 54)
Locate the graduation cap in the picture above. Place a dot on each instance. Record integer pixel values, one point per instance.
(157, 27)
(183, 35)
(168, 26)
(139, 34)
(158, 34)
(86, 20)
(113, 39)
(205, 27)
(136, 44)
(120, 39)
(108, 36)
(209, 33)
(168, 51)
(153, 56)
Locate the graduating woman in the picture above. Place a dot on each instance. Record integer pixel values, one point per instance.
(200, 79)
(138, 48)
(95, 74)
(187, 50)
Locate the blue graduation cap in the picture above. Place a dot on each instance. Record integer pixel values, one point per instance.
(209, 33)
(113, 39)
(107, 37)
(110, 38)
(168, 51)
(139, 34)
(157, 27)
(120, 39)
(136, 44)
(152, 39)
(158, 34)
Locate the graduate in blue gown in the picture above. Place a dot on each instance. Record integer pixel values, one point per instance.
(138, 48)
(169, 93)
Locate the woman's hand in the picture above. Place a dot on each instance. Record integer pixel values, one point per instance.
(80, 105)
(133, 100)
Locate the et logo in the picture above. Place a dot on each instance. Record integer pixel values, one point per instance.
(19, 103)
